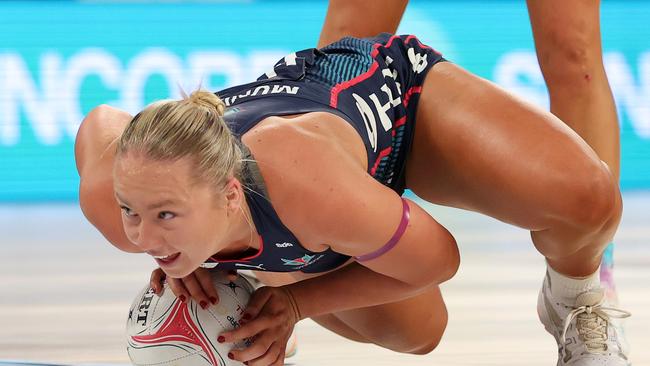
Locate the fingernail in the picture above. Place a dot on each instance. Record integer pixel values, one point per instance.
(221, 339)
(231, 356)
(213, 300)
(204, 304)
(246, 316)
(182, 297)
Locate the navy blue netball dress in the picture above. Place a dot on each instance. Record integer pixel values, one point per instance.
(372, 83)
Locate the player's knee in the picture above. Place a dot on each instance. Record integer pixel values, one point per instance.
(593, 200)
(410, 335)
(427, 347)
(570, 60)
(424, 341)
(452, 258)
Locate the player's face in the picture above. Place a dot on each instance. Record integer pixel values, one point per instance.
(167, 214)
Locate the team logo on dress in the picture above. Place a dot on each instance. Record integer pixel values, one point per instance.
(283, 245)
(305, 260)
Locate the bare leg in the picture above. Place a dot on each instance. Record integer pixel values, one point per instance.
(343, 18)
(413, 325)
(478, 148)
(567, 39)
(334, 324)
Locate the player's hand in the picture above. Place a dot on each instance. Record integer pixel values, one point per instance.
(198, 286)
(268, 320)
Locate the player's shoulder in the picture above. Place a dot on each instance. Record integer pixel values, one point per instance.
(98, 130)
(94, 153)
(315, 135)
(307, 161)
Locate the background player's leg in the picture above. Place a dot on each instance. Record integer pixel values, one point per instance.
(567, 39)
(342, 19)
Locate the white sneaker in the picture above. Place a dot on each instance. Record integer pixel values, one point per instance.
(587, 332)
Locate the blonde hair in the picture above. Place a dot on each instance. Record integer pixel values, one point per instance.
(192, 127)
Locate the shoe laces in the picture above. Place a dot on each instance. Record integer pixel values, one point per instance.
(591, 323)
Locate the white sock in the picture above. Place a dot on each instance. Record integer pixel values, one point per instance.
(570, 287)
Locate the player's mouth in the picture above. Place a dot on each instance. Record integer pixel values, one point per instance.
(166, 260)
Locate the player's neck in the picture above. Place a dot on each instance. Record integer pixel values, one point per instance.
(244, 237)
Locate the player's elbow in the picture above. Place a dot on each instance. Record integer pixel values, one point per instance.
(440, 263)
(446, 259)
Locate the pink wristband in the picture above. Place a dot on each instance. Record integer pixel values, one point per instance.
(406, 216)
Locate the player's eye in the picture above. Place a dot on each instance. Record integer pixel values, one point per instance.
(166, 215)
(127, 212)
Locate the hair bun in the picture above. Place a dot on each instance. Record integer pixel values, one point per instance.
(208, 100)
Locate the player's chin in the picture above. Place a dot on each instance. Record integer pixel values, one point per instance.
(179, 267)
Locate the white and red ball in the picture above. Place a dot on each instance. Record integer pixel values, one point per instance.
(165, 331)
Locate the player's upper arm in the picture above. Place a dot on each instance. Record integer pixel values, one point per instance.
(362, 215)
(94, 155)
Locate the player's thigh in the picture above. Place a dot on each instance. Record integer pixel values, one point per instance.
(479, 148)
(413, 325)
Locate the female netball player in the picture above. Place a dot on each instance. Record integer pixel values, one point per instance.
(302, 171)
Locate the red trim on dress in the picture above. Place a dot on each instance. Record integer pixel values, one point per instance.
(419, 43)
(334, 96)
(375, 47)
(381, 155)
(245, 259)
(400, 121)
(407, 96)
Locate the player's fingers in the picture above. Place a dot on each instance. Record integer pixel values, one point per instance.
(193, 285)
(248, 329)
(256, 303)
(262, 352)
(205, 281)
(232, 275)
(178, 288)
(156, 281)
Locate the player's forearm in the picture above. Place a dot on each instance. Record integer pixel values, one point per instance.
(351, 287)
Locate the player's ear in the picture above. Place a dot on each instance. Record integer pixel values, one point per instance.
(234, 193)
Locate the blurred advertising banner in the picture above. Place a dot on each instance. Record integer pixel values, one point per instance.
(59, 59)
